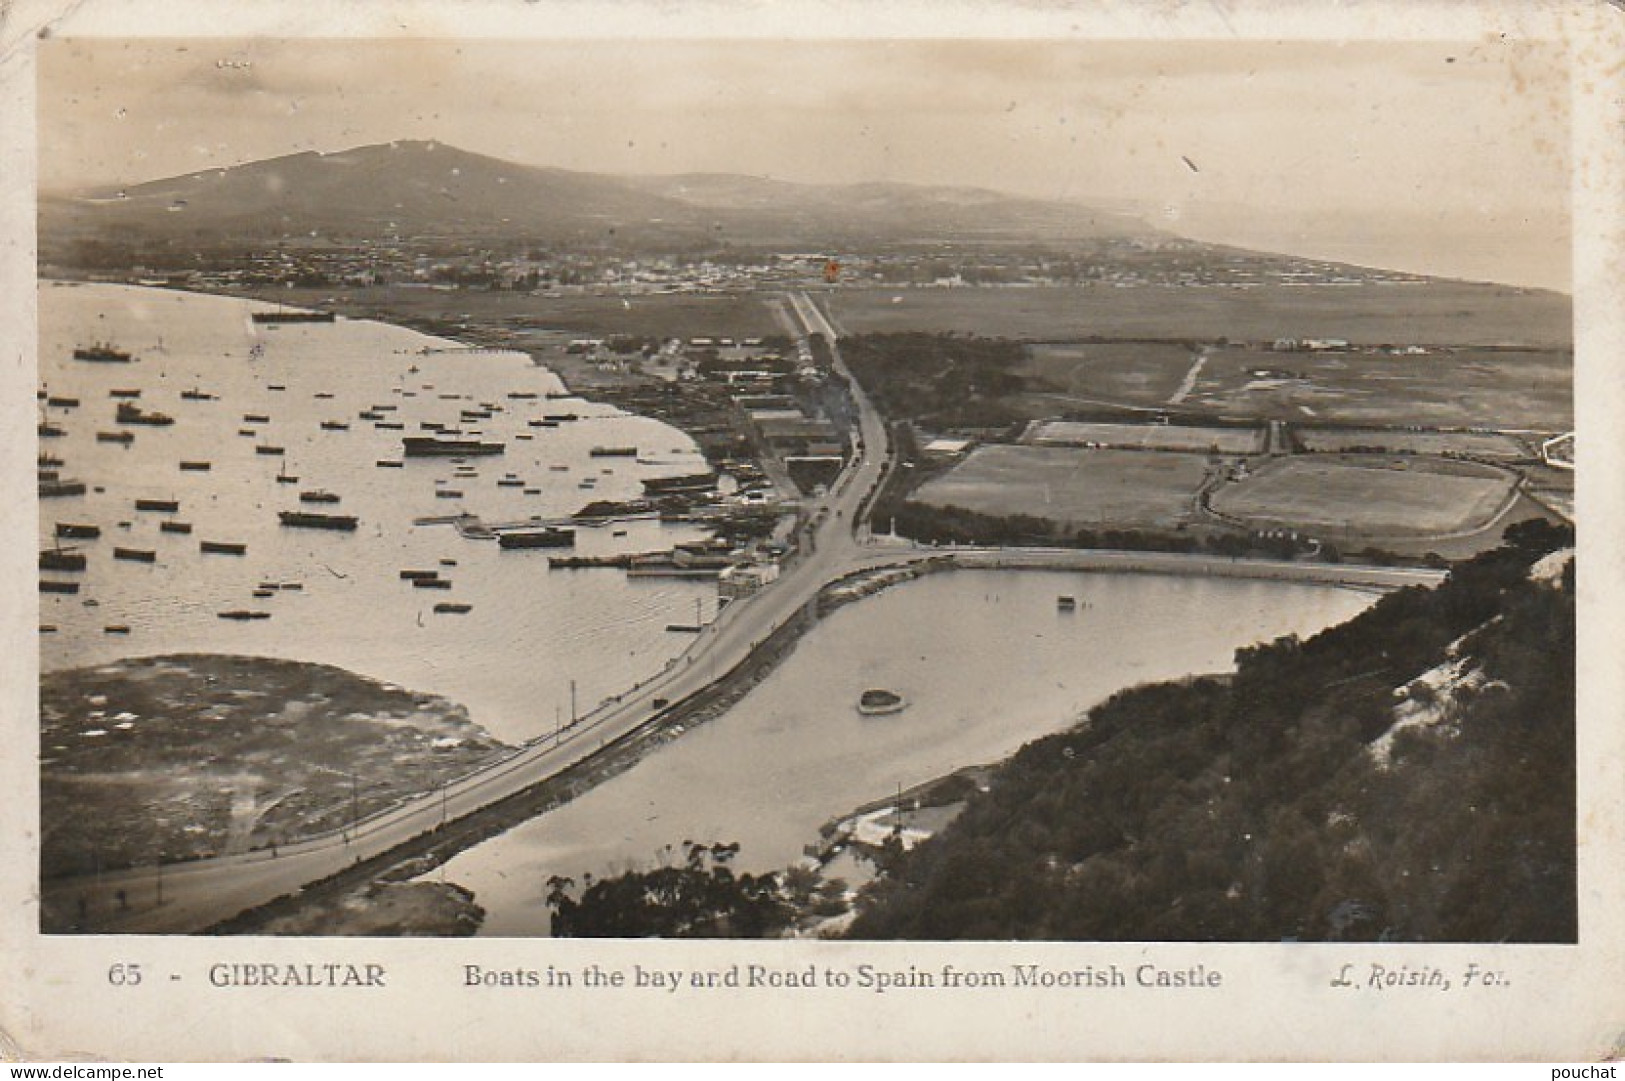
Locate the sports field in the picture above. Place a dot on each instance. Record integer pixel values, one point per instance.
(1197, 440)
(1077, 487)
(1374, 495)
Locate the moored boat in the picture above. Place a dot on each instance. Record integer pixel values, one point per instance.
(877, 701)
(102, 353)
(79, 532)
(290, 316)
(225, 548)
(428, 447)
(452, 607)
(136, 555)
(550, 537)
(134, 414)
(50, 585)
(61, 559)
(305, 519)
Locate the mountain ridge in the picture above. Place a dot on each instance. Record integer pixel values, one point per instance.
(427, 187)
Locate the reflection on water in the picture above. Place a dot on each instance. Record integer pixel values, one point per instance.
(204, 362)
(987, 663)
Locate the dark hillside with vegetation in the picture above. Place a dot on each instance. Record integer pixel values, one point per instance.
(1256, 807)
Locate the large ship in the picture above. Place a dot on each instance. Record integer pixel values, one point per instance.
(289, 316)
(103, 353)
(417, 446)
(311, 520)
(134, 414)
(688, 483)
(538, 538)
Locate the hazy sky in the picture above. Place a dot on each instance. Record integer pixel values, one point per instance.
(1451, 157)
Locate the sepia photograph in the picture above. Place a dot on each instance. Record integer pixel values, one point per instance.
(1042, 488)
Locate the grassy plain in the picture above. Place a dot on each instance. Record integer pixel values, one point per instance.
(1446, 313)
(1078, 487)
(1144, 373)
(525, 316)
(1369, 494)
(1524, 388)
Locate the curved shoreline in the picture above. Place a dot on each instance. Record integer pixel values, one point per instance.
(422, 854)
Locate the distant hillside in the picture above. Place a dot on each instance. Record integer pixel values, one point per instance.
(1407, 776)
(419, 189)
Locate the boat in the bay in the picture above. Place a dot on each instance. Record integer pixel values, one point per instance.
(877, 701)
(61, 559)
(286, 315)
(429, 447)
(102, 353)
(304, 519)
(136, 555)
(549, 537)
(77, 531)
(134, 414)
(224, 548)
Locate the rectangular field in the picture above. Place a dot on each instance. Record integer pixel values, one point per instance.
(1077, 487)
(1476, 444)
(1379, 496)
(1441, 313)
(1196, 440)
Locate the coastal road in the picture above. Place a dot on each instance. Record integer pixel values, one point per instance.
(832, 544)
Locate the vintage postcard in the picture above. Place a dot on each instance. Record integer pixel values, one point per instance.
(936, 532)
